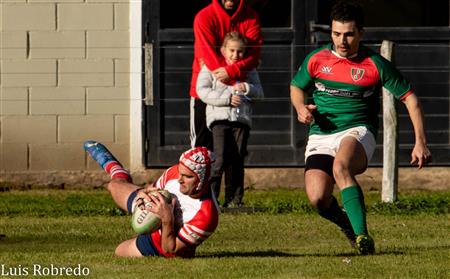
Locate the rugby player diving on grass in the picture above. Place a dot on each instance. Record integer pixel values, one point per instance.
(186, 221)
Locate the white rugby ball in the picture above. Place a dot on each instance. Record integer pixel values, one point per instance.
(144, 221)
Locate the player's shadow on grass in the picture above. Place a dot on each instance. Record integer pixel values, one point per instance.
(274, 253)
(267, 253)
(229, 254)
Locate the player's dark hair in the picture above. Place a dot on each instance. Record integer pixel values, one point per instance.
(345, 11)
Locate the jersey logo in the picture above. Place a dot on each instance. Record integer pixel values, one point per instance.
(326, 70)
(357, 73)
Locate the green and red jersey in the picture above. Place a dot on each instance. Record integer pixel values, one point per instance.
(346, 90)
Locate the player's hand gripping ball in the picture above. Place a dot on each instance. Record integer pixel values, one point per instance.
(144, 221)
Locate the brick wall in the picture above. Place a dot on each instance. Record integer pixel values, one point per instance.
(63, 79)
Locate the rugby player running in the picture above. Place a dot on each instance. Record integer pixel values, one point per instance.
(345, 78)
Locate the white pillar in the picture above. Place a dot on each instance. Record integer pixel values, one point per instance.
(136, 116)
(390, 144)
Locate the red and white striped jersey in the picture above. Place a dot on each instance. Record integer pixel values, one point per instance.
(195, 219)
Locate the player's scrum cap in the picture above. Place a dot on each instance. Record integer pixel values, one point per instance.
(199, 160)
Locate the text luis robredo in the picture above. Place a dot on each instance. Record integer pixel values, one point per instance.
(44, 270)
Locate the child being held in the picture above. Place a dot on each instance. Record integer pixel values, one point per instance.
(228, 116)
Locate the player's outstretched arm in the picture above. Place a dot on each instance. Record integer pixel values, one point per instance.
(420, 154)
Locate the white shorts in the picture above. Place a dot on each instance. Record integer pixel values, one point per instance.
(329, 144)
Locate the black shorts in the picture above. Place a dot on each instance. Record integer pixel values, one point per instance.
(322, 162)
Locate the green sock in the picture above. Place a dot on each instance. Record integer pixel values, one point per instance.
(353, 202)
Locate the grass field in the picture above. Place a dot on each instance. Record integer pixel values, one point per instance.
(287, 240)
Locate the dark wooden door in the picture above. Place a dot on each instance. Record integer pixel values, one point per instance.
(275, 140)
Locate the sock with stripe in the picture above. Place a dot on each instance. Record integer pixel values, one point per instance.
(116, 170)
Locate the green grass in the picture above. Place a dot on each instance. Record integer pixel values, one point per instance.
(67, 228)
(288, 200)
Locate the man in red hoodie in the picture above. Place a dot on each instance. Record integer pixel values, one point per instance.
(211, 25)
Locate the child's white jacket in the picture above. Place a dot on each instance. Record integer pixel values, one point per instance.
(217, 96)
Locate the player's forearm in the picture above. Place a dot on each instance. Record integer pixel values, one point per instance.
(297, 98)
(168, 236)
(416, 115)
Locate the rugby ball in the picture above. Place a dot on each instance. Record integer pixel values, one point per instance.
(144, 221)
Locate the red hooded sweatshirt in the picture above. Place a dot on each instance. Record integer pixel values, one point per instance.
(211, 25)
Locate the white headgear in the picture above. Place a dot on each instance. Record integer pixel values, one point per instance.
(199, 160)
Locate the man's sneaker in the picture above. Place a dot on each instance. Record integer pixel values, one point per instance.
(365, 244)
(350, 236)
(99, 153)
